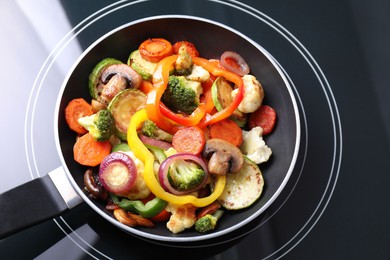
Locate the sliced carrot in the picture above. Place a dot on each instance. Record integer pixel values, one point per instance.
(89, 152)
(155, 49)
(189, 139)
(265, 117)
(227, 130)
(75, 109)
(191, 49)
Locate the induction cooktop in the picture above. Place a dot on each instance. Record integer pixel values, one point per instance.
(51, 35)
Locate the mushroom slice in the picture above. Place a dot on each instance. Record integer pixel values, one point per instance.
(133, 79)
(116, 84)
(223, 156)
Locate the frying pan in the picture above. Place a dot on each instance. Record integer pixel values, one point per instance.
(63, 188)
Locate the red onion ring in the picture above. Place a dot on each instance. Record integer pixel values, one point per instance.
(226, 61)
(164, 167)
(126, 163)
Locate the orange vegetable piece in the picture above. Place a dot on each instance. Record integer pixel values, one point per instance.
(189, 139)
(191, 49)
(155, 49)
(75, 109)
(146, 86)
(227, 130)
(89, 152)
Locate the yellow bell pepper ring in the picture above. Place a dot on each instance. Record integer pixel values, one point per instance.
(142, 153)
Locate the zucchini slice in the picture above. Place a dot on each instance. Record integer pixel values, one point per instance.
(144, 67)
(242, 188)
(94, 83)
(123, 106)
(221, 92)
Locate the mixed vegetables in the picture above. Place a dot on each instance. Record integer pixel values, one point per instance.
(171, 136)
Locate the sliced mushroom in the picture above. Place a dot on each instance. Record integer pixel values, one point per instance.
(116, 78)
(132, 77)
(223, 156)
(116, 84)
(95, 190)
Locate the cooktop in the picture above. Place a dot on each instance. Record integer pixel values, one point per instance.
(335, 56)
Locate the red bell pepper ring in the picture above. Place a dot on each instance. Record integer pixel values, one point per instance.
(217, 71)
(207, 95)
(191, 120)
(158, 112)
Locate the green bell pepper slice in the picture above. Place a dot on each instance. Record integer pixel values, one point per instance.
(148, 210)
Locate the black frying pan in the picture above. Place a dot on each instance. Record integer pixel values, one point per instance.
(44, 198)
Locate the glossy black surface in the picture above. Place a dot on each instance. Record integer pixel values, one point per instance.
(336, 56)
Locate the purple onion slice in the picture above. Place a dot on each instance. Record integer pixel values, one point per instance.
(164, 171)
(117, 173)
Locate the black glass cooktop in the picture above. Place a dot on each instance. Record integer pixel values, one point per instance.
(335, 56)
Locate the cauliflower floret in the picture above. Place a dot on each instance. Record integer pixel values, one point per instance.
(254, 147)
(183, 216)
(139, 190)
(253, 94)
(198, 74)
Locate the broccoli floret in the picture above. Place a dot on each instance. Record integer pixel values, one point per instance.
(182, 95)
(184, 175)
(150, 129)
(100, 125)
(184, 64)
(208, 222)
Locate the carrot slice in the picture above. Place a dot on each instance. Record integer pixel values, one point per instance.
(227, 130)
(75, 109)
(191, 49)
(189, 140)
(265, 117)
(155, 49)
(89, 152)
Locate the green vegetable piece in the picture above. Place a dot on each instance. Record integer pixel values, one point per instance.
(115, 199)
(208, 222)
(99, 125)
(150, 129)
(182, 95)
(144, 67)
(123, 106)
(184, 175)
(242, 188)
(158, 153)
(95, 85)
(148, 210)
(122, 147)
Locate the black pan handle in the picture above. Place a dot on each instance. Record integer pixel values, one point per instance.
(36, 201)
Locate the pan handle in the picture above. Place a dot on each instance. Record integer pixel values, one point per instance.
(36, 201)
